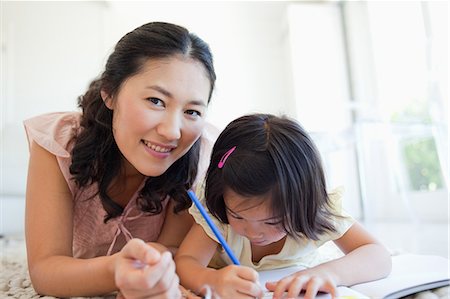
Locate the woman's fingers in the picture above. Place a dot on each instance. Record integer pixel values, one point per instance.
(139, 250)
(160, 273)
(139, 280)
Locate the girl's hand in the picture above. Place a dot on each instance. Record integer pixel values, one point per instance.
(141, 271)
(311, 280)
(236, 282)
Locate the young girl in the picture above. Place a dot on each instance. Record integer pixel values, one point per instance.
(119, 170)
(265, 188)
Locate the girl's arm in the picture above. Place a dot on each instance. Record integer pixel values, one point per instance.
(192, 259)
(48, 229)
(365, 260)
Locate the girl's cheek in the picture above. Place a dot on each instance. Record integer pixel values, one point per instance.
(277, 233)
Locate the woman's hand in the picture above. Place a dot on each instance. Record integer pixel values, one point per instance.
(236, 282)
(141, 271)
(310, 280)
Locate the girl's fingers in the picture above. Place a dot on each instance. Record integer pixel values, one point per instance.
(249, 284)
(247, 273)
(286, 283)
(281, 286)
(296, 286)
(251, 289)
(330, 287)
(312, 288)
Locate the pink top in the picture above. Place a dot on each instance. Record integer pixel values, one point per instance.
(92, 237)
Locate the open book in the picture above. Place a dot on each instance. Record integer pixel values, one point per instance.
(410, 274)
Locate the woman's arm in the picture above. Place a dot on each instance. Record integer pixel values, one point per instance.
(192, 259)
(48, 228)
(54, 271)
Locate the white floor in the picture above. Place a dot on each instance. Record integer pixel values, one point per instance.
(419, 238)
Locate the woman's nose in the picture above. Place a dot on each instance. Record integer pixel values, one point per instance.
(170, 127)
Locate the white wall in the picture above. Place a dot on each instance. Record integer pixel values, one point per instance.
(52, 50)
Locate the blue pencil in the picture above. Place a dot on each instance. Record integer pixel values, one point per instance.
(213, 227)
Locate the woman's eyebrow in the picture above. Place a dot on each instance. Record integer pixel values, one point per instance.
(161, 90)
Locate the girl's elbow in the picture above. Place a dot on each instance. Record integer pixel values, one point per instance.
(385, 261)
(388, 267)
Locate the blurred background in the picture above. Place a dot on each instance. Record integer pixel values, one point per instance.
(368, 80)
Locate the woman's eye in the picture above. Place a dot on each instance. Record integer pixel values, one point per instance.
(156, 101)
(193, 112)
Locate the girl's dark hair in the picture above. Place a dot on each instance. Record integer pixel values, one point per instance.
(96, 157)
(273, 155)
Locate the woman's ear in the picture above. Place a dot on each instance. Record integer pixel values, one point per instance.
(106, 99)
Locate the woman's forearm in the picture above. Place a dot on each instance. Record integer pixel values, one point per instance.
(63, 276)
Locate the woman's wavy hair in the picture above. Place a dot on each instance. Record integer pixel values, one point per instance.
(275, 156)
(95, 155)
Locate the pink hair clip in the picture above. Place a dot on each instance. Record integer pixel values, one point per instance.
(225, 157)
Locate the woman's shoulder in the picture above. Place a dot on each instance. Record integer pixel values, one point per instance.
(53, 131)
(210, 131)
(209, 135)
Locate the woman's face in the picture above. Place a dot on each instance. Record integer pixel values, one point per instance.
(159, 113)
(252, 218)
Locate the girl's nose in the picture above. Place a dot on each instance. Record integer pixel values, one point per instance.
(253, 232)
(170, 127)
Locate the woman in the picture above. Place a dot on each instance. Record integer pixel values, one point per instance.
(120, 170)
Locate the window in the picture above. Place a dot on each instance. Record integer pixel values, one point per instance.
(370, 81)
(405, 115)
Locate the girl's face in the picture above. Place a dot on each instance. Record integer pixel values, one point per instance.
(159, 113)
(252, 218)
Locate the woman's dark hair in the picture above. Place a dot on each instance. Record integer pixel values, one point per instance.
(96, 157)
(273, 155)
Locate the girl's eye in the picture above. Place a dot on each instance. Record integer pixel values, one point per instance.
(156, 101)
(273, 223)
(193, 113)
(236, 217)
